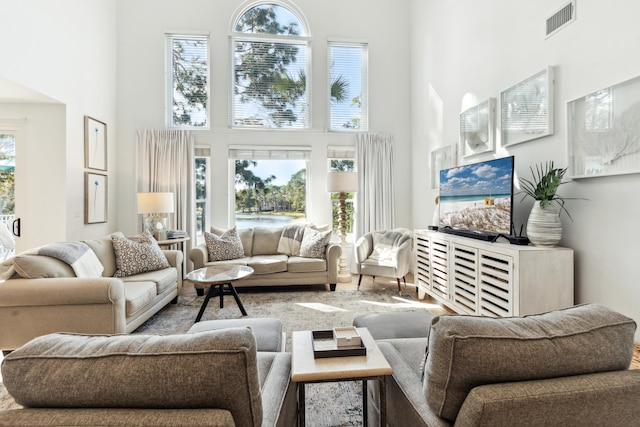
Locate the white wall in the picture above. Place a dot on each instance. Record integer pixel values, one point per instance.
(141, 27)
(479, 48)
(64, 51)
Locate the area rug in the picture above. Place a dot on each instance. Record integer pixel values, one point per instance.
(299, 308)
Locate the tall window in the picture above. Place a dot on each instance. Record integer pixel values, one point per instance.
(187, 103)
(270, 185)
(270, 76)
(202, 192)
(348, 103)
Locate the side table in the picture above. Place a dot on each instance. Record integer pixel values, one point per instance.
(166, 244)
(306, 369)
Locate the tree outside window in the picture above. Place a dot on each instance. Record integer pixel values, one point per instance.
(188, 80)
(270, 192)
(270, 69)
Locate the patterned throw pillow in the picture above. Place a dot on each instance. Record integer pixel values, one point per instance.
(314, 243)
(137, 256)
(224, 247)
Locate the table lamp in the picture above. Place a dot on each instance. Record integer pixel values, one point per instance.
(153, 205)
(342, 183)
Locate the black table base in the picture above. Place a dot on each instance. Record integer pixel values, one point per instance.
(218, 289)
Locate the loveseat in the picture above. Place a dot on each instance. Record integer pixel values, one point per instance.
(563, 368)
(276, 254)
(208, 378)
(117, 291)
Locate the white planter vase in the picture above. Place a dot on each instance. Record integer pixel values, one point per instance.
(544, 227)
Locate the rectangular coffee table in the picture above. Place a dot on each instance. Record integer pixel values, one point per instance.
(307, 369)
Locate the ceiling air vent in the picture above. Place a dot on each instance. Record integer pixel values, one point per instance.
(561, 18)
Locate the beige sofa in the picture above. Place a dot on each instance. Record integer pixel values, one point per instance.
(43, 295)
(208, 378)
(563, 368)
(272, 268)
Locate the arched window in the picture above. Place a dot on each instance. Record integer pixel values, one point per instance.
(270, 68)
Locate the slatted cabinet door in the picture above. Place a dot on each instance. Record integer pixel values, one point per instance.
(465, 278)
(439, 259)
(496, 285)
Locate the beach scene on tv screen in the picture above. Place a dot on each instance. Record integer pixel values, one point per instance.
(477, 196)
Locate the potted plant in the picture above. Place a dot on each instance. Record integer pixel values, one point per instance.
(543, 226)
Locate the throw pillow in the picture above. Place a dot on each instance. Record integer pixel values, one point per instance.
(290, 239)
(314, 243)
(224, 247)
(137, 256)
(469, 351)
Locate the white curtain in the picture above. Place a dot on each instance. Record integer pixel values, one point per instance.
(166, 164)
(375, 196)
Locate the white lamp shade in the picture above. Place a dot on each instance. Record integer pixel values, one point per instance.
(342, 182)
(155, 203)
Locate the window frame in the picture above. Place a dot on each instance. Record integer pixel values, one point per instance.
(266, 152)
(304, 40)
(169, 78)
(364, 109)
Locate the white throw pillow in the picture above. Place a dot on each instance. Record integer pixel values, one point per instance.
(224, 247)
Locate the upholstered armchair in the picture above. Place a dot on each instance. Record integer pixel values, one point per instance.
(385, 253)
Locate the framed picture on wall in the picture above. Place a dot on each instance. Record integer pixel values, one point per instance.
(95, 144)
(526, 109)
(96, 194)
(477, 129)
(604, 131)
(441, 158)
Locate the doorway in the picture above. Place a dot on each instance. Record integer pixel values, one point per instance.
(7, 192)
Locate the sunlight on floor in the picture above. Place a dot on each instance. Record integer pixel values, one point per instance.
(403, 303)
(320, 307)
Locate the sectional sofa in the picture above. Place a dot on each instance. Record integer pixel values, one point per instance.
(43, 294)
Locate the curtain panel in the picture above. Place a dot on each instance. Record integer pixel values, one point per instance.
(375, 200)
(165, 163)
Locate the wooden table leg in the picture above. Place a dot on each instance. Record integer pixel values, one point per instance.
(365, 404)
(383, 401)
(301, 405)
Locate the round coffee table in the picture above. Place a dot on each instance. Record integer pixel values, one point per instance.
(219, 276)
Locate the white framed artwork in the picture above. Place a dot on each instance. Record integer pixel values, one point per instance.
(604, 131)
(526, 109)
(441, 158)
(477, 126)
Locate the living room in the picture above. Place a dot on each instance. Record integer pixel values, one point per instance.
(67, 59)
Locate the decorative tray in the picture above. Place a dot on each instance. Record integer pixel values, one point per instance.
(325, 345)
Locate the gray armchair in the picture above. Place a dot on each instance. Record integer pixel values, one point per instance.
(385, 253)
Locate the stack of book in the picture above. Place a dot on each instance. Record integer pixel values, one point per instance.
(176, 234)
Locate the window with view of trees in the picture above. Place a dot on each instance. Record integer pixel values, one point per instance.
(269, 192)
(187, 81)
(202, 194)
(270, 69)
(348, 86)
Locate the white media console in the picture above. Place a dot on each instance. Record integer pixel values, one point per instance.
(492, 279)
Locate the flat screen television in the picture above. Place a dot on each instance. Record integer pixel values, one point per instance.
(476, 200)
